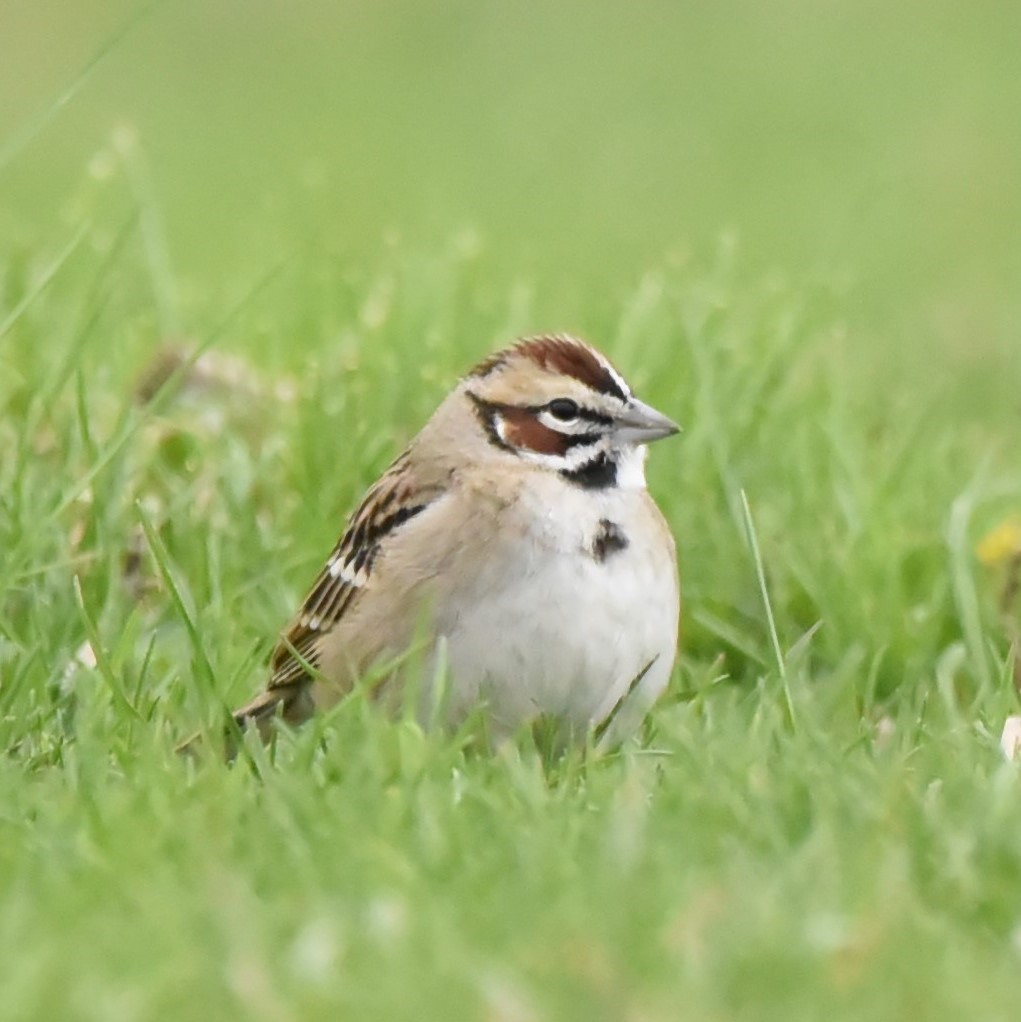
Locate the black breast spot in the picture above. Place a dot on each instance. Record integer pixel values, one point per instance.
(608, 540)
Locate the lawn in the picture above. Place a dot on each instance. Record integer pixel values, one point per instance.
(244, 252)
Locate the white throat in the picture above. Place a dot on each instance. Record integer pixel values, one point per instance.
(631, 467)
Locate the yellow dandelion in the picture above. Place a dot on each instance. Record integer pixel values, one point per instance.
(1002, 543)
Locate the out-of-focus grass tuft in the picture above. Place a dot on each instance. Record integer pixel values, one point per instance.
(163, 508)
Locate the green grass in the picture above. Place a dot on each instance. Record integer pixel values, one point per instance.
(817, 819)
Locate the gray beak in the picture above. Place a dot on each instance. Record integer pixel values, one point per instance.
(641, 424)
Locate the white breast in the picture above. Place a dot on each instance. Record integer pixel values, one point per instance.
(546, 628)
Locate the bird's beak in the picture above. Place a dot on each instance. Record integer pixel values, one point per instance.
(641, 424)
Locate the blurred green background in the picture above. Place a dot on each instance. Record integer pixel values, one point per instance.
(793, 223)
(873, 145)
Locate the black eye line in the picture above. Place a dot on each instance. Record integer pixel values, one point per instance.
(596, 418)
(577, 439)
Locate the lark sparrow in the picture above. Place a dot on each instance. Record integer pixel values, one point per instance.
(516, 535)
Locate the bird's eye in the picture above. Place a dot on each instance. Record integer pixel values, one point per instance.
(563, 408)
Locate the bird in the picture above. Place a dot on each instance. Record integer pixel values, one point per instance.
(515, 541)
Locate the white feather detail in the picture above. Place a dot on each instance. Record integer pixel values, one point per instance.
(342, 569)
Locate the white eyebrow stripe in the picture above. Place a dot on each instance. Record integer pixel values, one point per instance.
(618, 379)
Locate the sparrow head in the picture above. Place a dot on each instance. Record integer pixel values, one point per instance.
(558, 402)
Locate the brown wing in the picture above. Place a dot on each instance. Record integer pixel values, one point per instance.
(391, 502)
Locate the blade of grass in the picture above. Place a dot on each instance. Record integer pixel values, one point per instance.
(103, 665)
(20, 139)
(43, 282)
(774, 638)
(162, 558)
(965, 594)
(154, 238)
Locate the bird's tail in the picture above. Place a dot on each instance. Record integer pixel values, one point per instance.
(292, 703)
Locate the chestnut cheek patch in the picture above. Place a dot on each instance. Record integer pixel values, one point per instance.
(523, 430)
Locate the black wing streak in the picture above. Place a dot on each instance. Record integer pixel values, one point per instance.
(331, 595)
